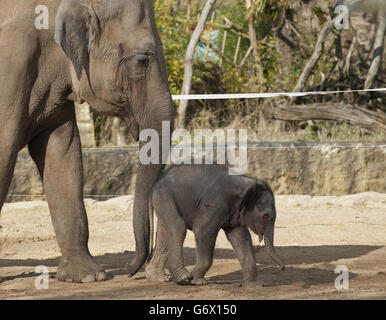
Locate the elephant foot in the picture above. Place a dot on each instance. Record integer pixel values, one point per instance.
(199, 282)
(158, 277)
(254, 284)
(153, 275)
(183, 277)
(82, 269)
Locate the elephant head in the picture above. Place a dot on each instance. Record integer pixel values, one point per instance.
(116, 62)
(257, 211)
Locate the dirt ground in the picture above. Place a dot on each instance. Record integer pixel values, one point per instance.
(314, 235)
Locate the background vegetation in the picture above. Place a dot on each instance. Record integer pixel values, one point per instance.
(286, 34)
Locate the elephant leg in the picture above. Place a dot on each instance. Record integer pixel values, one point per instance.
(57, 154)
(241, 241)
(7, 165)
(10, 144)
(155, 270)
(205, 242)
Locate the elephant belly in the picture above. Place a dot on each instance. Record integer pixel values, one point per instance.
(189, 218)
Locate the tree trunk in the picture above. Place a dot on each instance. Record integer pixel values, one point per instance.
(378, 49)
(285, 43)
(259, 74)
(314, 58)
(188, 61)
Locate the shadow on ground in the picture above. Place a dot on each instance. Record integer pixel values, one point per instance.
(114, 263)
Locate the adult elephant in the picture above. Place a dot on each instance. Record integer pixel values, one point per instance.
(105, 52)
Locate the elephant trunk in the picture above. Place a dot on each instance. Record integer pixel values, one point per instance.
(152, 104)
(146, 177)
(148, 173)
(268, 240)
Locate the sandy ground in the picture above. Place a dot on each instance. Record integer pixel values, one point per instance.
(314, 235)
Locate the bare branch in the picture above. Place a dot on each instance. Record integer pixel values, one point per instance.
(377, 49)
(315, 56)
(188, 61)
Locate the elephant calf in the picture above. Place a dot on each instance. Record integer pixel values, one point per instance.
(204, 199)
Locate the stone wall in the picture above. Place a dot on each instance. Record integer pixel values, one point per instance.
(290, 168)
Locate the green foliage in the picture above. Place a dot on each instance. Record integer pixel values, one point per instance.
(264, 12)
(175, 33)
(175, 27)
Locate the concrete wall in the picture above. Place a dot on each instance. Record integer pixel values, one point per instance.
(290, 168)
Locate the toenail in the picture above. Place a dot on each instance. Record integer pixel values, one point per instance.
(88, 278)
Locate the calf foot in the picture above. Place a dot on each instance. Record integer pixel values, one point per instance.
(199, 281)
(154, 275)
(158, 277)
(183, 276)
(80, 269)
(255, 283)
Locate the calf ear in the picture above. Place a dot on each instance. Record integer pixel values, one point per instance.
(246, 199)
(248, 195)
(76, 27)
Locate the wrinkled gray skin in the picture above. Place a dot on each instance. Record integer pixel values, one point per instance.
(105, 52)
(205, 199)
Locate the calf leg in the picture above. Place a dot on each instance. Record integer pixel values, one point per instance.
(241, 241)
(155, 270)
(177, 234)
(205, 243)
(170, 218)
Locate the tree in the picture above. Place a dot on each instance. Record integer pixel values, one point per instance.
(188, 61)
(375, 121)
(378, 49)
(251, 16)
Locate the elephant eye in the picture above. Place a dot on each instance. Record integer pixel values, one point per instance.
(150, 54)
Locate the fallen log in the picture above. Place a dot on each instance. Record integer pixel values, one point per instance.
(354, 115)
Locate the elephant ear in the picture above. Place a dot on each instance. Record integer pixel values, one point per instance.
(76, 27)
